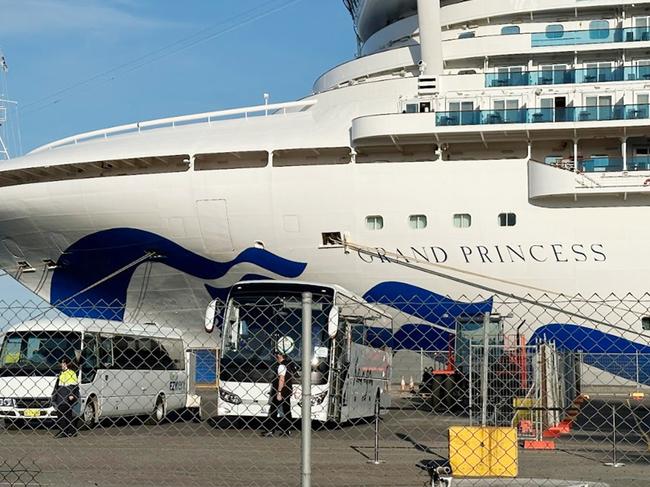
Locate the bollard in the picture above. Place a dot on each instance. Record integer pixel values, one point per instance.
(305, 445)
(376, 460)
(614, 463)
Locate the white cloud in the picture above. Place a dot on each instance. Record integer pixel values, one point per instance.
(44, 17)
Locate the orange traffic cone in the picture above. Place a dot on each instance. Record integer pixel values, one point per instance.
(402, 386)
(411, 385)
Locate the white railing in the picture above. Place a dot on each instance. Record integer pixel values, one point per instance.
(207, 117)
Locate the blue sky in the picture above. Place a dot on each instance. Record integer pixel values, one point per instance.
(257, 46)
(80, 65)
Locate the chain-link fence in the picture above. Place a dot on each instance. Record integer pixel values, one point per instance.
(495, 390)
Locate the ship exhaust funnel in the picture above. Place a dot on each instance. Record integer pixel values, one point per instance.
(431, 65)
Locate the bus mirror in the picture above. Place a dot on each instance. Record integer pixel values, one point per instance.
(333, 322)
(213, 316)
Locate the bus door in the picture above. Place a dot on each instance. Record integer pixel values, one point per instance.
(107, 395)
(340, 357)
(89, 363)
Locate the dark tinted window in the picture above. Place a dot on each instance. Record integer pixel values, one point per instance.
(125, 353)
(89, 358)
(554, 31)
(510, 29)
(507, 220)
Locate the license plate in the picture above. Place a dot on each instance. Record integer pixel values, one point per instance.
(32, 413)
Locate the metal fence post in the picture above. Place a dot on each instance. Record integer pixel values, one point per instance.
(376, 460)
(306, 390)
(614, 463)
(471, 385)
(421, 365)
(484, 371)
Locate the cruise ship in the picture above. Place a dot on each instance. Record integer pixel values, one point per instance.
(505, 139)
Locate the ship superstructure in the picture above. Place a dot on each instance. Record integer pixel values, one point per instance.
(503, 138)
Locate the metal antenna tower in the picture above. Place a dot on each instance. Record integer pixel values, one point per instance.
(4, 105)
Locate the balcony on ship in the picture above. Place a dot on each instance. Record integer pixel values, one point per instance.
(600, 33)
(548, 184)
(540, 115)
(491, 41)
(600, 137)
(505, 77)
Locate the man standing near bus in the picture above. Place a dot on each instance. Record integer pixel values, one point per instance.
(66, 397)
(279, 417)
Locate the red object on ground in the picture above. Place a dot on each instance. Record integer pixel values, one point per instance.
(539, 445)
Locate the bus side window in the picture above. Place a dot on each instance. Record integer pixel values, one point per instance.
(159, 358)
(175, 353)
(126, 353)
(89, 358)
(106, 352)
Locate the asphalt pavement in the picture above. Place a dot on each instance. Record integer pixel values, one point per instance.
(179, 453)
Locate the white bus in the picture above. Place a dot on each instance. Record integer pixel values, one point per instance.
(124, 369)
(349, 377)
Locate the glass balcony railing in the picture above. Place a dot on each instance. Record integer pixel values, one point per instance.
(638, 163)
(568, 76)
(593, 36)
(601, 164)
(543, 115)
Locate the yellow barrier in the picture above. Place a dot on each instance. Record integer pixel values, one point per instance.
(483, 452)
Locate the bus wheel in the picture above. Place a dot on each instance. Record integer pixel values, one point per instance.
(89, 416)
(159, 412)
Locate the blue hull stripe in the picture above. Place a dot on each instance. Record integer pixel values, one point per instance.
(100, 254)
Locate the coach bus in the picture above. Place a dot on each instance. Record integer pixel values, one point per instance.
(123, 369)
(349, 377)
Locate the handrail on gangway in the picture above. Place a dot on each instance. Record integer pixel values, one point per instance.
(265, 109)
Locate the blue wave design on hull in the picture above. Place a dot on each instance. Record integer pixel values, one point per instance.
(434, 309)
(426, 305)
(98, 255)
(605, 351)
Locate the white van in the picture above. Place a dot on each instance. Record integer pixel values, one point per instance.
(124, 369)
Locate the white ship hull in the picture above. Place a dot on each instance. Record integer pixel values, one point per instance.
(138, 222)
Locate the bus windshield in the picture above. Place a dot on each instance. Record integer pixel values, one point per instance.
(37, 353)
(259, 324)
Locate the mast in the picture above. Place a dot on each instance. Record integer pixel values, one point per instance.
(5, 104)
(430, 37)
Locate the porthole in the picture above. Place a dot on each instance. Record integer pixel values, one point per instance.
(374, 222)
(507, 219)
(462, 220)
(418, 222)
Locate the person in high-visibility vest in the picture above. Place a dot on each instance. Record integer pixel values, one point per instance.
(66, 397)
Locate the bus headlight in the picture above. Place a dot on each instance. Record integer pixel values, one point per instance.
(229, 397)
(316, 399)
(7, 402)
